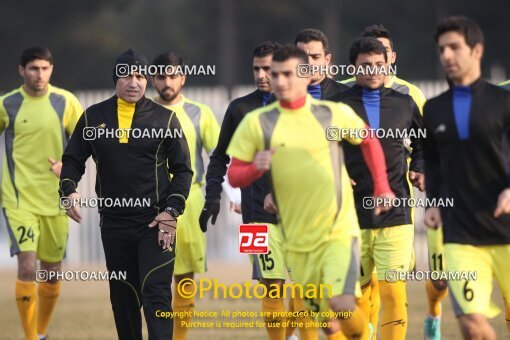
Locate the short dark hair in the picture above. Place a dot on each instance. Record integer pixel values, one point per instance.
(266, 48)
(290, 51)
(366, 45)
(312, 34)
(462, 25)
(377, 31)
(169, 59)
(33, 53)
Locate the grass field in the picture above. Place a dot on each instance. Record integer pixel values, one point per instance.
(84, 311)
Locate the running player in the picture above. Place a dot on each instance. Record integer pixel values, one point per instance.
(466, 159)
(38, 119)
(316, 46)
(436, 290)
(288, 137)
(387, 239)
(267, 268)
(201, 130)
(130, 168)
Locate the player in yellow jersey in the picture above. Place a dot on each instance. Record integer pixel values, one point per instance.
(201, 130)
(311, 186)
(38, 119)
(436, 290)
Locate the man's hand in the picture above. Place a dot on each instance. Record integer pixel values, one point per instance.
(235, 207)
(386, 202)
(417, 180)
(211, 208)
(433, 218)
(262, 160)
(503, 206)
(74, 211)
(56, 167)
(167, 226)
(269, 205)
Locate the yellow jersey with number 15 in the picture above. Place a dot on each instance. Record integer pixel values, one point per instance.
(310, 182)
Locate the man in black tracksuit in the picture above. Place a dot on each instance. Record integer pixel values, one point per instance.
(386, 238)
(466, 160)
(315, 44)
(252, 198)
(133, 167)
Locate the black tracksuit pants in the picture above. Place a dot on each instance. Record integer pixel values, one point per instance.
(149, 270)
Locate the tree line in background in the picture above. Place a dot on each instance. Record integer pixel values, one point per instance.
(86, 36)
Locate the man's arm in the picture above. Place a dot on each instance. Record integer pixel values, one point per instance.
(433, 176)
(73, 113)
(416, 170)
(77, 152)
(267, 186)
(373, 155)
(4, 118)
(416, 141)
(503, 205)
(216, 170)
(179, 165)
(242, 174)
(418, 97)
(218, 163)
(209, 130)
(75, 155)
(249, 159)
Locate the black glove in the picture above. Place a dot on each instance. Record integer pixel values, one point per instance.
(211, 208)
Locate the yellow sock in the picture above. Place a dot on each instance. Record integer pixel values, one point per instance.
(434, 297)
(26, 296)
(47, 296)
(184, 306)
(355, 326)
(364, 301)
(274, 331)
(375, 304)
(337, 336)
(394, 310)
(289, 330)
(309, 329)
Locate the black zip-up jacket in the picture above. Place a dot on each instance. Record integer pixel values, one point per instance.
(252, 197)
(466, 159)
(139, 169)
(330, 88)
(398, 114)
